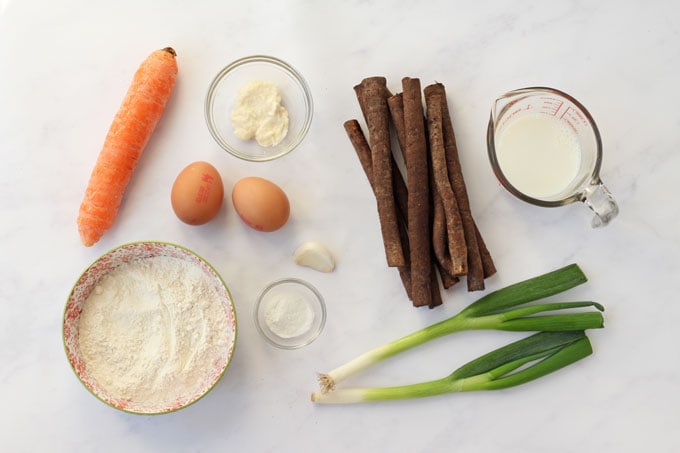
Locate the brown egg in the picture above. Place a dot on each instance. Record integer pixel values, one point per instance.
(197, 193)
(260, 203)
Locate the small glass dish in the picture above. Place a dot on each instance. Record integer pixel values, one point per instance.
(296, 97)
(290, 313)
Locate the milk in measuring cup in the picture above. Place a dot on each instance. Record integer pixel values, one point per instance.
(539, 154)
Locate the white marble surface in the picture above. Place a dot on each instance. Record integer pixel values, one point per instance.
(64, 67)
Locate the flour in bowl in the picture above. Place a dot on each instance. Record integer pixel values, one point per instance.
(153, 331)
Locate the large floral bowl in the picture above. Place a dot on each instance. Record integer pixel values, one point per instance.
(88, 281)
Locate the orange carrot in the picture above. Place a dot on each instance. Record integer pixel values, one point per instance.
(130, 131)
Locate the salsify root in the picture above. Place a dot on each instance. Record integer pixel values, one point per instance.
(445, 197)
(480, 265)
(417, 178)
(372, 94)
(363, 151)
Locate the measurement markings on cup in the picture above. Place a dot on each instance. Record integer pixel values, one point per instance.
(551, 106)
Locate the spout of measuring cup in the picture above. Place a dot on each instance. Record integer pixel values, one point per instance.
(600, 200)
(503, 101)
(497, 107)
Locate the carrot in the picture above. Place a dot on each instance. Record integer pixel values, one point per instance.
(128, 135)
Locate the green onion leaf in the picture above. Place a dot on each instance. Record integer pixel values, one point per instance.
(538, 343)
(554, 323)
(529, 290)
(565, 356)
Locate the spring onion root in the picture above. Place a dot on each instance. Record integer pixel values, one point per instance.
(504, 309)
(517, 363)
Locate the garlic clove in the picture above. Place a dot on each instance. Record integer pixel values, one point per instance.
(315, 255)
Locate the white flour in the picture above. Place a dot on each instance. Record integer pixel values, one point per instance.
(152, 330)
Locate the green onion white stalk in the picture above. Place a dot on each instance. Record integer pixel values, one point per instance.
(499, 310)
(511, 365)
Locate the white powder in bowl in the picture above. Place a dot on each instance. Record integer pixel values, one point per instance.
(152, 331)
(288, 315)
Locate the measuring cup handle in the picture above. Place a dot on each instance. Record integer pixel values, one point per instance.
(598, 198)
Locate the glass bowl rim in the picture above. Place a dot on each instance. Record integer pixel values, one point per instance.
(318, 298)
(290, 70)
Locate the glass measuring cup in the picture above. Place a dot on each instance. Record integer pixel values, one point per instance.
(545, 149)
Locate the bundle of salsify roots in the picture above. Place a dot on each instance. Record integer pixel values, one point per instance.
(425, 217)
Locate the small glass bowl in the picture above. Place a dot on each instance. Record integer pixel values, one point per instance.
(282, 291)
(295, 97)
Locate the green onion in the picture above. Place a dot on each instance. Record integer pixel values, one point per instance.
(498, 310)
(517, 363)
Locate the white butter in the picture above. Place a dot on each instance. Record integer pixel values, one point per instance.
(259, 114)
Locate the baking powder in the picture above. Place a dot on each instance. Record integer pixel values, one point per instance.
(152, 330)
(288, 315)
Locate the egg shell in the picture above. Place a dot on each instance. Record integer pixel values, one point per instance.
(260, 203)
(197, 193)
